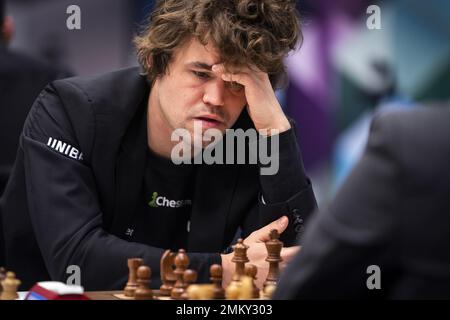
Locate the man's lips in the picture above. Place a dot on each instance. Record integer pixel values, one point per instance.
(209, 118)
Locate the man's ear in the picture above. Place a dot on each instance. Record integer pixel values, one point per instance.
(7, 29)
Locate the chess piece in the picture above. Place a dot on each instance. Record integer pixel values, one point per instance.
(181, 264)
(2, 277)
(233, 290)
(193, 292)
(251, 271)
(200, 292)
(269, 290)
(239, 258)
(131, 286)
(246, 288)
(216, 273)
(143, 291)
(189, 277)
(273, 246)
(168, 277)
(10, 285)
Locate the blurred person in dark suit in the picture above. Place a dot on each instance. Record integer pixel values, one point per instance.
(21, 79)
(392, 213)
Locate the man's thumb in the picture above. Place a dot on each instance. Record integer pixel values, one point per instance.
(280, 225)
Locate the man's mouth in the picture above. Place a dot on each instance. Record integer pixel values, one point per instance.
(209, 121)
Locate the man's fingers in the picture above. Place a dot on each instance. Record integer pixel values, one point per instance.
(218, 68)
(288, 253)
(238, 78)
(229, 76)
(280, 225)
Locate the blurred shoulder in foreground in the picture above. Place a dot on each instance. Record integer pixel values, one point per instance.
(387, 232)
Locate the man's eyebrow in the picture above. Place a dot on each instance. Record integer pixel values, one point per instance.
(200, 65)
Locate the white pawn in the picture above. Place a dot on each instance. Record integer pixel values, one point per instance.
(10, 285)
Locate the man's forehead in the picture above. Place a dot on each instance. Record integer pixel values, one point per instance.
(195, 54)
(200, 65)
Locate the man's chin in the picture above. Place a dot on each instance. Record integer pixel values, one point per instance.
(206, 136)
(207, 139)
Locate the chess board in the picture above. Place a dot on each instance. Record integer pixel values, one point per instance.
(178, 282)
(119, 295)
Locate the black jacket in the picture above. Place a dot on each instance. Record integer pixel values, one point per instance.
(393, 212)
(73, 207)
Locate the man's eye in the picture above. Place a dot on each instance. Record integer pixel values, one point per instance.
(201, 75)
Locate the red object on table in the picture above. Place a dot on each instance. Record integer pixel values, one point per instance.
(52, 290)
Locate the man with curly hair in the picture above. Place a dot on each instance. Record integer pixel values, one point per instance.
(95, 182)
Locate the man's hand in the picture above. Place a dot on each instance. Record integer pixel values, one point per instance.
(262, 104)
(257, 253)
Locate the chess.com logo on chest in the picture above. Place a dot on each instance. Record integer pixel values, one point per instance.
(161, 201)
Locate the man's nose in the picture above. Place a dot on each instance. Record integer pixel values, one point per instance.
(214, 93)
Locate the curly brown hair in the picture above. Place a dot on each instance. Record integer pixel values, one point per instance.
(256, 33)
